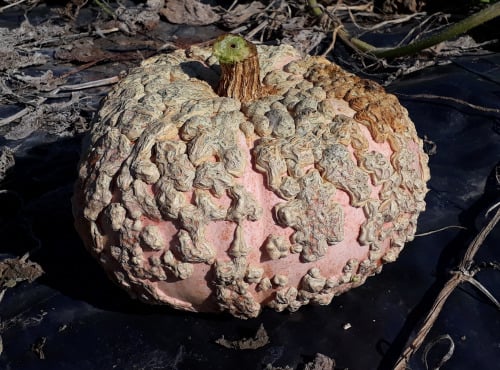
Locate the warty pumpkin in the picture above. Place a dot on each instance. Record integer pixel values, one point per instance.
(236, 177)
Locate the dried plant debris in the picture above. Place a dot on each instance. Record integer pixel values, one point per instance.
(190, 12)
(12, 272)
(399, 6)
(13, 59)
(16, 270)
(60, 119)
(38, 348)
(454, 48)
(271, 367)
(290, 22)
(82, 51)
(140, 18)
(242, 13)
(30, 45)
(305, 40)
(88, 50)
(259, 340)
(44, 103)
(320, 362)
(6, 161)
(287, 20)
(18, 46)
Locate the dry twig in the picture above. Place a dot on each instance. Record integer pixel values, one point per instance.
(332, 44)
(441, 229)
(8, 6)
(391, 22)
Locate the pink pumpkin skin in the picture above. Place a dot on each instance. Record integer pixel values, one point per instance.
(208, 204)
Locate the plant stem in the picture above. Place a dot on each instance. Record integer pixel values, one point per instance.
(240, 70)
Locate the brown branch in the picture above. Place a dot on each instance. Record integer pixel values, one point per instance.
(463, 274)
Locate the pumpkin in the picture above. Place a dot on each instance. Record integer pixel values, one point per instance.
(233, 177)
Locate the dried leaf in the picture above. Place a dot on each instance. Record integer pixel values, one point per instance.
(83, 51)
(241, 13)
(304, 40)
(138, 18)
(190, 12)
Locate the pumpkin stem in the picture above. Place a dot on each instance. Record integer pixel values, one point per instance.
(240, 71)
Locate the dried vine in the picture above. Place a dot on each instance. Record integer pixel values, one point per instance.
(464, 273)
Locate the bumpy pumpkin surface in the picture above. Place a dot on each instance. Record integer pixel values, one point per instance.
(207, 203)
